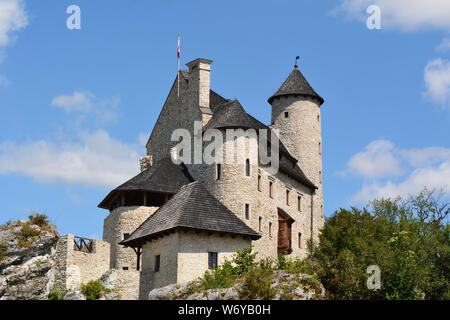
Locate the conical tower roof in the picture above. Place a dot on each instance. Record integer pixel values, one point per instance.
(296, 84)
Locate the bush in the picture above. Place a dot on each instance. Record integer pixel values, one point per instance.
(222, 277)
(38, 219)
(56, 294)
(258, 282)
(27, 235)
(93, 290)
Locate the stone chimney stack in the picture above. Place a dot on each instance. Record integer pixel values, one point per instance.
(199, 81)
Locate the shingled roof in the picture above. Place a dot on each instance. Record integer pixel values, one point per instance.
(191, 208)
(232, 115)
(296, 84)
(163, 177)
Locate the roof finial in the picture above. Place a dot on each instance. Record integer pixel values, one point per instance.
(296, 58)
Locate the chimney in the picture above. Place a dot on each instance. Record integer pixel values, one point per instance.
(199, 80)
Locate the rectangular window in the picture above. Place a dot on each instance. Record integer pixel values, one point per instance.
(270, 229)
(212, 260)
(125, 268)
(218, 171)
(300, 240)
(247, 167)
(126, 236)
(320, 177)
(247, 211)
(271, 189)
(260, 223)
(287, 197)
(157, 262)
(259, 182)
(286, 114)
(320, 148)
(299, 203)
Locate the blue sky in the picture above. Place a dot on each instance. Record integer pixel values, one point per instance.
(78, 105)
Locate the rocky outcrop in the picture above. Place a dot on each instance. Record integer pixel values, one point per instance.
(287, 287)
(26, 260)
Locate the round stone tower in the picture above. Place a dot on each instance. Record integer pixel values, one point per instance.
(297, 121)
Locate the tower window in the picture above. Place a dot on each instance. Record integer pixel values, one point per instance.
(271, 189)
(260, 223)
(247, 167)
(299, 203)
(247, 211)
(300, 240)
(320, 148)
(218, 171)
(270, 229)
(287, 196)
(320, 176)
(286, 114)
(318, 117)
(157, 262)
(259, 182)
(212, 260)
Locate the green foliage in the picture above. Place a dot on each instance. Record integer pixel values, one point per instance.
(27, 235)
(92, 290)
(222, 277)
(244, 260)
(3, 249)
(56, 294)
(258, 282)
(38, 219)
(407, 239)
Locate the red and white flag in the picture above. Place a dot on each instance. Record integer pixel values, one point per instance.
(178, 50)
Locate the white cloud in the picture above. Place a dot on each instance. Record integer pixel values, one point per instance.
(13, 17)
(406, 15)
(96, 160)
(428, 167)
(86, 103)
(444, 45)
(437, 81)
(377, 161)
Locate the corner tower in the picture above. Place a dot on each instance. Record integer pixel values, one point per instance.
(297, 119)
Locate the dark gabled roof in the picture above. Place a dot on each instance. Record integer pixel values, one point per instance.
(191, 208)
(232, 115)
(163, 177)
(296, 84)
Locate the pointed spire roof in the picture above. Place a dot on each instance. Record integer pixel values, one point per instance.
(191, 208)
(296, 84)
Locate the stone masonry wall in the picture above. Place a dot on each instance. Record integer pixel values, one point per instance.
(194, 248)
(235, 189)
(301, 133)
(120, 221)
(73, 268)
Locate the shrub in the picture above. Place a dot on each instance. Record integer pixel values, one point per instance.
(244, 260)
(38, 219)
(258, 282)
(92, 290)
(27, 235)
(222, 277)
(56, 294)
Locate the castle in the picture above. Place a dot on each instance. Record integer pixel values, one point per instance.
(175, 219)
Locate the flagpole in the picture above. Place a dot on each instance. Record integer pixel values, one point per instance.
(178, 70)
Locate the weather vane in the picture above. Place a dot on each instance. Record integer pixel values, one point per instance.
(296, 58)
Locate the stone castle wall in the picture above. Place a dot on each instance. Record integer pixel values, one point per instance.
(235, 189)
(301, 133)
(74, 268)
(120, 221)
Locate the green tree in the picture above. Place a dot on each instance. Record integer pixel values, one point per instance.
(408, 240)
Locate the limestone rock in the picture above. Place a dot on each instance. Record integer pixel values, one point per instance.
(26, 261)
(108, 279)
(288, 287)
(74, 295)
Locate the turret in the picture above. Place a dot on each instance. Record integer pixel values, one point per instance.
(296, 116)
